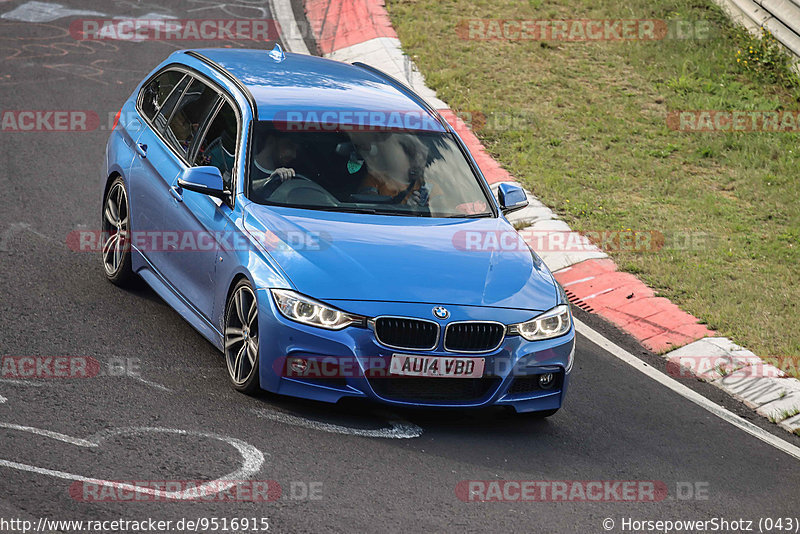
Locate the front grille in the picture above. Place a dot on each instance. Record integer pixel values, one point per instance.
(435, 389)
(402, 333)
(473, 336)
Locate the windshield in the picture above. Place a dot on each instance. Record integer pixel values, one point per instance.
(413, 173)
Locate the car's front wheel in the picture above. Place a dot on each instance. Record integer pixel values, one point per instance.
(241, 338)
(116, 248)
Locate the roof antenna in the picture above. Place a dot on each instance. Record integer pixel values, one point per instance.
(277, 53)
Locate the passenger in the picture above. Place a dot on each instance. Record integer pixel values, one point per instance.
(394, 167)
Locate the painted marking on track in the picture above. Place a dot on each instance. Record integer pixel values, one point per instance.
(399, 429)
(14, 228)
(37, 384)
(291, 35)
(251, 460)
(45, 12)
(603, 292)
(238, 9)
(578, 281)
(3, 400)
(16, 382)
(152, 384)
(686, 392)
(58, 436)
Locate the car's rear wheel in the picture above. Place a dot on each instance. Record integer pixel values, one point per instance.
(116, 249)
(241, 338)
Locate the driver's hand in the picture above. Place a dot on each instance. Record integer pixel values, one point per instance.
(419, 197)
(282, 173)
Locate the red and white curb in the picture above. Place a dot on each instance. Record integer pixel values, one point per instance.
(360, 30)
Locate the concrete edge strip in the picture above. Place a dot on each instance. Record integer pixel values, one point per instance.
(783, 22)
(386, 53)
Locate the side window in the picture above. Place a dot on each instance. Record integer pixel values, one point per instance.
(162, 116)
(218, 147)
(189, 115)
(158, 90)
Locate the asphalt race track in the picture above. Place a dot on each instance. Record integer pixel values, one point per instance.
(355, 467)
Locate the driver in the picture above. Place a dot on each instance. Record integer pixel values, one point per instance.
(275, 159)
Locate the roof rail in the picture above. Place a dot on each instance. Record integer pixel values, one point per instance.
(222, 70)
(407, 90)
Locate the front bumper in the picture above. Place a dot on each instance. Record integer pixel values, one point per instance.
(352, 363)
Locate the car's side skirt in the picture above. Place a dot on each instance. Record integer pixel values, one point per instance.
(177, 302)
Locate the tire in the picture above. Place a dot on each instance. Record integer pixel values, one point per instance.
(240, 339)
(116, 225)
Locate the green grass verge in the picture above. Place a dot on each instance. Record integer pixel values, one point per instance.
(589, 137)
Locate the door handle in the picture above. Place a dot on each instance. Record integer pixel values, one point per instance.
(141, 149)
(175, 191)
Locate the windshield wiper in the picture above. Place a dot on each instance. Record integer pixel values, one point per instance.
(469, 216)
(371, 211)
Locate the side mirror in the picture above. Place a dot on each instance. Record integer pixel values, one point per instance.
(511, 198)
(206, 180)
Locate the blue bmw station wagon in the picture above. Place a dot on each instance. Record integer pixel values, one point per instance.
(330, 233)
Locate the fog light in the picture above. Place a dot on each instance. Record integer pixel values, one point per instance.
(297, 366)
(546, 381)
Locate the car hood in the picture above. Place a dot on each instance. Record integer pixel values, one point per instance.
(347, 256)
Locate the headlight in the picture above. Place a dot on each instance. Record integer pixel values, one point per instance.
(308, 311)
(553, 323)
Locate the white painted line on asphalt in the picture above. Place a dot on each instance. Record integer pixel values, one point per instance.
(576, 281)
(45, 12)
(593, 295)
(152, 384)
(399, 429)
(685, 391)
(21, 382)
(15, 228)
(50, 434)
(291, 35)
(3, 399)
(252, 460)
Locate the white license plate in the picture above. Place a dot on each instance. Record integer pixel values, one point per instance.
(436, 366)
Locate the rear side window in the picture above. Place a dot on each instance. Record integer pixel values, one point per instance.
(218, 147)
(158, 90)
(190, 114)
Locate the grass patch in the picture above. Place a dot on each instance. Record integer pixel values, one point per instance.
(783, 414)
(583, 125)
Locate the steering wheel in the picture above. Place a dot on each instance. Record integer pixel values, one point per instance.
(304, 191)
